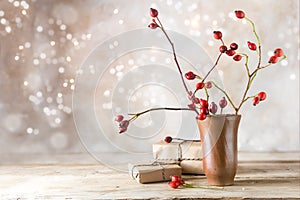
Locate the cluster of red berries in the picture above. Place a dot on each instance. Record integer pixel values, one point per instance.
(233, 46)
(154, 14)
(123, 124)
(223, 48)
(205, 108)
(259, 97)
(277, 54)
(175, 182)
(201, 106)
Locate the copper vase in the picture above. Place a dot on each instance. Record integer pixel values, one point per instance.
(218, 134)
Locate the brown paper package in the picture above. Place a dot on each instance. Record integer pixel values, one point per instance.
(177, 150)
(188, 153)
(149, 173)
(192, 167)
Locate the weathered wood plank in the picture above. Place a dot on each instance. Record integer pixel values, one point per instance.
(274, 178)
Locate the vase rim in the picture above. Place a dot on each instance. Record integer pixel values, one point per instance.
(223, 116)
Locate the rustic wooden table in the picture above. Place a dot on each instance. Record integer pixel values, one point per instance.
(79, 176)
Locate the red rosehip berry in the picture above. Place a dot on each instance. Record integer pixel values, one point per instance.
(190, 95)
(122, 130)
(262, 96)
(153, 25)
(237, 57)
(192, 106)
(178, 183)
(222, 48)
(208, 85)
(230, 52)
(181, 182)
(223, 102)
(175, 178)
(200, 85)
(234, 46)
(203, 103)
(217, 35)
(255, 101)
(196, 100)
(168, 139)
(273, 59)
(213, 108)
(278, 52)
(204, 110)
(153, 12)
(252, 46)
(190, 75)
(173, 184)
(124, 124)
(201, 116)
(239, 14)
(119, 118)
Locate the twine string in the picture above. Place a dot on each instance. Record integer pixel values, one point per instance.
(154, 163)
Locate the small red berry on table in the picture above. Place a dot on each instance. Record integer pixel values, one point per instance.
(175, 178)
(173, 184)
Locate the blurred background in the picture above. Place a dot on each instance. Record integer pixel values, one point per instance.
(44, 44)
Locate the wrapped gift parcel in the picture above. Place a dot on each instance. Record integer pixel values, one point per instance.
(187, 152)
(192, 167)
(154, 171)
(177, 150)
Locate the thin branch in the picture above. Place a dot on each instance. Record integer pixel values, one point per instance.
(174, 54)
(136, 115)
(212, 67)
(258, 40)
(249, 97)
(246, 63)
(227, 96)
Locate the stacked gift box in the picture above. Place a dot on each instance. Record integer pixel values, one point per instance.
(174, 158)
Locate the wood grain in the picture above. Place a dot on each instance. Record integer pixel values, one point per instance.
(260, 176)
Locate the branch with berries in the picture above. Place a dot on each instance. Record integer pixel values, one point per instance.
(177, 182)
(201, 106)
